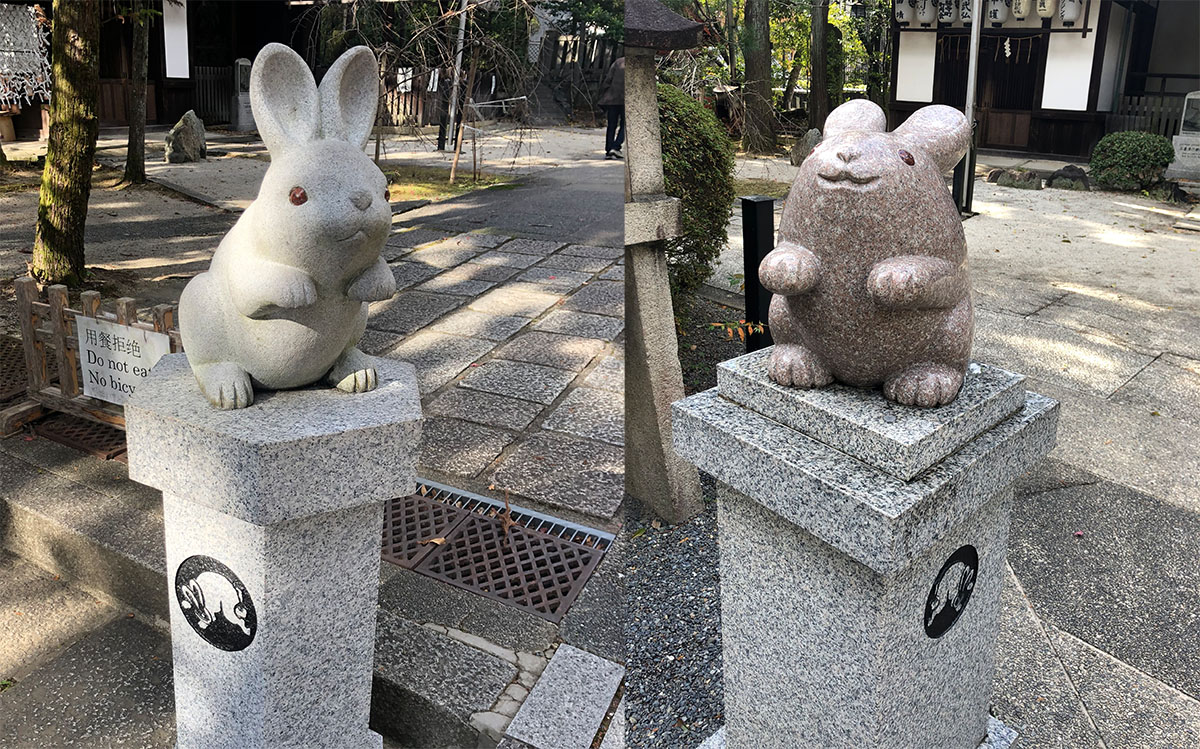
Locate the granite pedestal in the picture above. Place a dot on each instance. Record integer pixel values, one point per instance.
(862, 553)
(273, 519)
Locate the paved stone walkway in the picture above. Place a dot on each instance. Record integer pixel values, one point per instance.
(518, 345)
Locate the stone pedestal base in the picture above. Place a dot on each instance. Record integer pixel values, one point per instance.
(862, 554)
(999, 736)
(306, 643)
(273, 518)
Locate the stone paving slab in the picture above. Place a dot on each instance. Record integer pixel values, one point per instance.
(513, 259)
(508, 301)
(609, 374)
(586, 412)
(468, 322)
(414, 238)
(551, 350)
(554, 280)
(113, 688)
(600, 298)
(441, 256)
(531, 246)
(569, 702)
(484, 408)
(476, 241)
(530, 382)
(1169, 385)
(409, 274)
(583, 250)
(575, 262)
(409, 311)
(1130, 710)
(564, 471)
(459, 448)
(39, 615)
(581, 324)
(439, 358)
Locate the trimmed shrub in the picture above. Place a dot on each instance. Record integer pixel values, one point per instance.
(1131, 160)
(698, 167)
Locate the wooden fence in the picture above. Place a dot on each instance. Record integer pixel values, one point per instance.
(416, 107)
(214, 93)
(48, 330)
(1151, 113)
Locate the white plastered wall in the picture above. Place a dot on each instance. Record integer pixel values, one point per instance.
(914, 66)
(175, 39)
(1069, 67)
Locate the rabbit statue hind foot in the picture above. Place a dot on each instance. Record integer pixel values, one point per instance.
(870, 274)
(227, 386)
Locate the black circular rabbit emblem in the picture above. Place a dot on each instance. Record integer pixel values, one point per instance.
(216, 603)
(951, 591)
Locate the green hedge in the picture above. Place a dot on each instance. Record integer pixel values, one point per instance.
(1130, 160)
(698, 167)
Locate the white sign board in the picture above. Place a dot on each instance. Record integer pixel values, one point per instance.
(115, 358)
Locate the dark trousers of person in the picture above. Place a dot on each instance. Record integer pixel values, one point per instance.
(615, 137)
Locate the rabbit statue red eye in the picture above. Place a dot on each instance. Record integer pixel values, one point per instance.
(907, 157)
(298, 196)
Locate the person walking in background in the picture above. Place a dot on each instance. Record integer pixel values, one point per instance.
(613, 101)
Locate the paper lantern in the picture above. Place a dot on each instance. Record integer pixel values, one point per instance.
(947, 12)
(964, 11)
(927, 12)
(1069, 11)
(905, 11)
(1046, 8)
(1021, 9)
(997, 11)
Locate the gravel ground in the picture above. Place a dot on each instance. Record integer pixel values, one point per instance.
(701, 347)
(674, 697)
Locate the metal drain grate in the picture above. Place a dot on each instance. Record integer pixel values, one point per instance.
(13, 379)
(91, 437)
(540, 567)
(529, 570)
(410, 524)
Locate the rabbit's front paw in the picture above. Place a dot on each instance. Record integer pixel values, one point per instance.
(894, 285)
(926, 385)
(354, 372)
(376, 284)
(796, 366)
(225, 384)
(295, 291)
(789, 270)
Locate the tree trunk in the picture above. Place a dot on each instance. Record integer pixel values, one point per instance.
(818, 83)
(135, 150)
(731, 41)
(758, 136)
(71, 148)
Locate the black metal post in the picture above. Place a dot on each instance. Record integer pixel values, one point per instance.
(758, 238)
(441, 136)
(964, 178)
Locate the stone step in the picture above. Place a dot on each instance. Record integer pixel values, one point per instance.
(568, 705)
(451, 667)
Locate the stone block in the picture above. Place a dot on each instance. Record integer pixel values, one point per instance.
(563, 471)
(899, 440)
(552, 350)
(554, 280)
(293, 453)
(459, 448)
(586, 412)
(594, 251)
(485, 408)
(600, 298)
(574, 262)
(569, 701)
(279, 639)
(510, 301)
(438, 357)
(511, 259)
(468, 322)
(409, 311)
(408, 274)
(530, 247)
(609, 374)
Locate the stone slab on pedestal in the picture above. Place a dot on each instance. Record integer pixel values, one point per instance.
(859, 608)
(899, 440)
(292, 453)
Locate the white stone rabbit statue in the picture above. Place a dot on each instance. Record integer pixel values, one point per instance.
(284, 302)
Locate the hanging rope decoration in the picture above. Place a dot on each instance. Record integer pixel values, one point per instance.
(24, 59)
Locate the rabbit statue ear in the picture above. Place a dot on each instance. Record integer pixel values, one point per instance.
(941, 132)
(349, 96)
(283, 97)
(856, 115)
